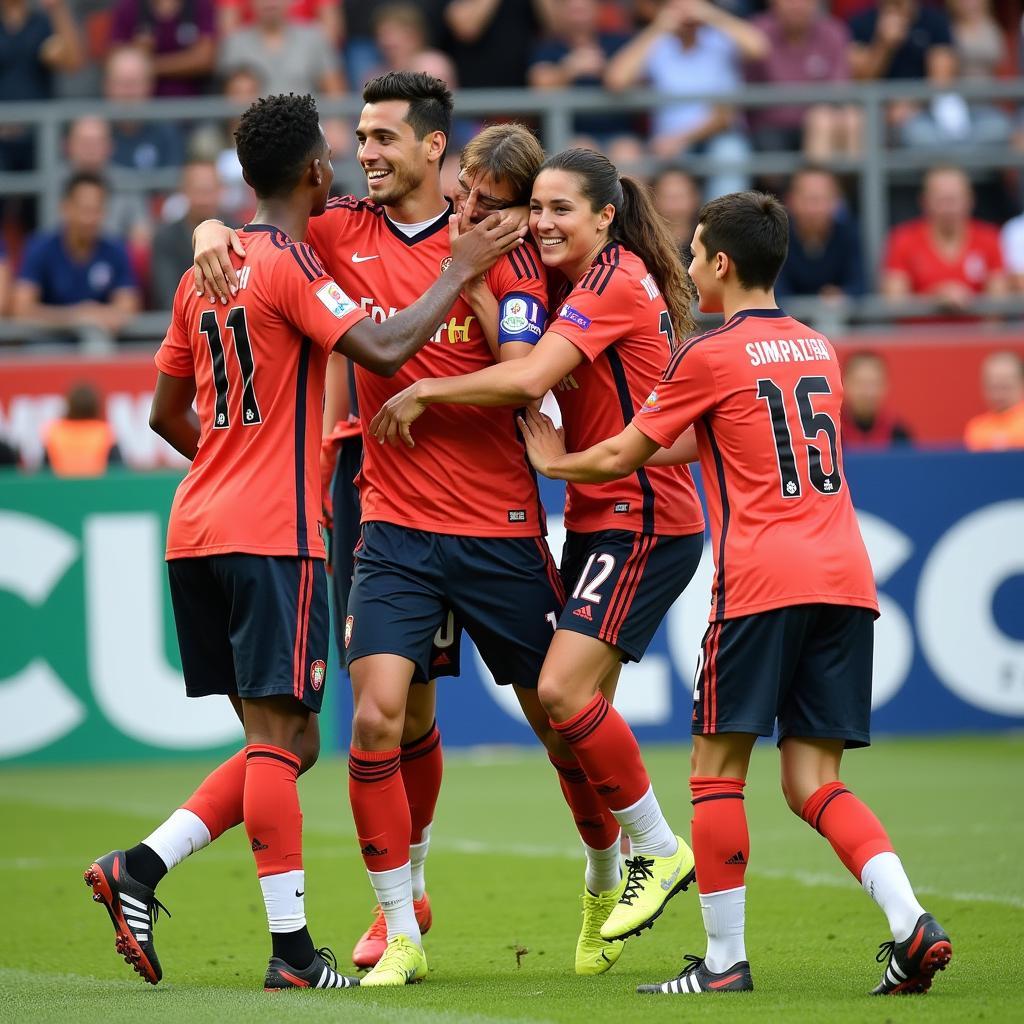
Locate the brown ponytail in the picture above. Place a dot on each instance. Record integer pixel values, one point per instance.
(637, 225)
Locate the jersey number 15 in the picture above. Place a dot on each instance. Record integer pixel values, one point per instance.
(235, 323)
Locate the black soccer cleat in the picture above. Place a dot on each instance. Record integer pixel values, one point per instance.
(321, 973)
(133, 909)
(913, 962)
(695, 978)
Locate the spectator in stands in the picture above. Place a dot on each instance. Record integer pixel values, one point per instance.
(81, 443)
(824, 256)
(1012, 243)
(945, 254)
(981, 52)
(5, 280)
(34, 43)
(140, 145)
(89, 147)
(289, 56)
(807, 46)
(866, 419)
(693, 46)
(901, 40)
(1002, 384)
(402, 39)
(172, 245)
(576, 53)
(324, 15)
(677, 199)
(74, 276)
(491, 40)
(179, 35)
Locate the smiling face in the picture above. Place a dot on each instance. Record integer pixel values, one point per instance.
(567, 230)
(394, 160)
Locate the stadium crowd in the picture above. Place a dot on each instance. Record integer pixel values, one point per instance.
(119, 249)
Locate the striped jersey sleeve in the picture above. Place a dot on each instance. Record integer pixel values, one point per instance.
(684, 394)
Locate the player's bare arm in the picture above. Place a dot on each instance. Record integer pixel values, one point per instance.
(681, 453)
(172, 416)
(517, 382)
(383, 348)
(617, 457)
(212, 270)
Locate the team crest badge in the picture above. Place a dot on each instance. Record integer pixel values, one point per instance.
(446, 263)
(317, 671)
(348, 631)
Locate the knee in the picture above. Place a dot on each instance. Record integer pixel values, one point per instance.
(376, 726)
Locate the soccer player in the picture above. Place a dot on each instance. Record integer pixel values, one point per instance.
(425, 548)
(244, 552)
(793, 602)
(500, 164)
(631, 547)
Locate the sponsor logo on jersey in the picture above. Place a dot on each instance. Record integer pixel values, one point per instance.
(356, 258)
(621, 506)
(517, 316)
(446, 263)
(317, 671)
(574, 316)
(348, 631)
(517, 515)
(651, 403)
(336, 301)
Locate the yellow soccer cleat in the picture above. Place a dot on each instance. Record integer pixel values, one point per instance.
(595, 955)
(650, 883)
(403, 963)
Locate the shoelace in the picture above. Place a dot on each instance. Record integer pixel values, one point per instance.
(690, 964)
(886, 950)
(155, 906)
(638, 871)
(379, 928)
(328, 955)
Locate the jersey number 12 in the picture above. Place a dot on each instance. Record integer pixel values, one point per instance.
(235, 323)
(813, 424)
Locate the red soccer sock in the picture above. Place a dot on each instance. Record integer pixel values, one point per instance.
(718, 831)
(849, 825)
(422, 768)
(218, 800)
(380, 807)
(594, 822)
(607, 751)
(273, 819)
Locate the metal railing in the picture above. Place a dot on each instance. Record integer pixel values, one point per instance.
(554, 112)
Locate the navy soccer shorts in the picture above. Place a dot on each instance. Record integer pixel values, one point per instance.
(504, 591)
(809, 666)
(620, 585)
(252, 625)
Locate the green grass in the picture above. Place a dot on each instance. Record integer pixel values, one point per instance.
(504, 873)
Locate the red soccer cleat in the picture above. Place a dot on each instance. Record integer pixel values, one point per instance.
(372, 943)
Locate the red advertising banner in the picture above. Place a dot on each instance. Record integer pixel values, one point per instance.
(934, 389)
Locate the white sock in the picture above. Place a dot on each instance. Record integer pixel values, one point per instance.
(649, 833)
(418, 861)
(603, 870)
(181, 835)
(724, 916)
(284, 895)
(394, 894)
(886, 882)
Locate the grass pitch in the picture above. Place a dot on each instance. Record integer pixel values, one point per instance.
(504, 876)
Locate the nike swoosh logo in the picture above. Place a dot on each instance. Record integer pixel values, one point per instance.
(300, 894)
(667, 883)
(356, 258)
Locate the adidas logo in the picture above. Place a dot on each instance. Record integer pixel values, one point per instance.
(737, 858)
(369, 850)
(605, 790)
(589, 823)
(442, 659)
(257, 845)
(584, 613)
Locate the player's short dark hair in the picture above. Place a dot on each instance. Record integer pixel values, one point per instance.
(276, 138)
(752, 229)
(430, 100)
(80, 178)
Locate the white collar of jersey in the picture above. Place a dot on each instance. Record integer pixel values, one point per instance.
(409, 230)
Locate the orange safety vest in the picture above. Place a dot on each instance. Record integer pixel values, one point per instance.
(79, 447)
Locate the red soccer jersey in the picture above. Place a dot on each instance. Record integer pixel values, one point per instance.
(259, 365)
(764, 393)
(618, 319)
(911, 251)
(468, 474)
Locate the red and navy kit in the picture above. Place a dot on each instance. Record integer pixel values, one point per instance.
(632, 545)
(455, 524)
(764, 393)
(244, 544)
